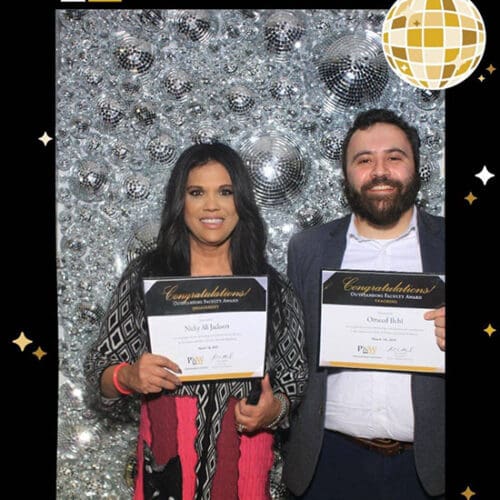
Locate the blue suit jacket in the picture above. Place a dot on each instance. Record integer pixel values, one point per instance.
(324, 247)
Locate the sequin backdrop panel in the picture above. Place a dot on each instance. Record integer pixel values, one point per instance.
(134, 88)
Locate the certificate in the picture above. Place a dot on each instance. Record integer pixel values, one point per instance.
(212, 327)
(375, 320)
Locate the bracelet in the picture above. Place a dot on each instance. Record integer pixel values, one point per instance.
(117, 385)
(285, 405)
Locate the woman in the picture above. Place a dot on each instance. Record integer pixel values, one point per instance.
(202, 440)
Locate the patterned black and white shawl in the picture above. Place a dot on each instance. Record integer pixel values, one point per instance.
(124, 337)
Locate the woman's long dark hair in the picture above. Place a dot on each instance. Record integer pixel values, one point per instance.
(171, 257)
(248, 240)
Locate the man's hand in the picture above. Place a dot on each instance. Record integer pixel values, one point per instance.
(438, 316)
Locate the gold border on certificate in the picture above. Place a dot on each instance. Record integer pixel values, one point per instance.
(214, 327)
(375, 320)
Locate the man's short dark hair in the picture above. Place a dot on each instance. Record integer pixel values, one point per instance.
(370, 117)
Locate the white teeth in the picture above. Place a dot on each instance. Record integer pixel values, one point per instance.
(211, 221)
(380, 188)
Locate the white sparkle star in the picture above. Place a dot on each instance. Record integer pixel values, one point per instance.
(485, 175)
(45, 138)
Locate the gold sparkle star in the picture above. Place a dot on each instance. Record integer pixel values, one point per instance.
(416, 23)
(489, 330)
(39, 353)
(45, 138)
(467, 493)
(490, 69)
(470, 198)
(481, 78)
(22, 341)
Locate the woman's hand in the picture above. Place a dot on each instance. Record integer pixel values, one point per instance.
(251, 418)
(151, 373)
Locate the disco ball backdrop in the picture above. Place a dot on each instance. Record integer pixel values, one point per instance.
(135, 88)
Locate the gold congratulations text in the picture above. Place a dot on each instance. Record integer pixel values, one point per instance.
(353, 285)
(173, 293)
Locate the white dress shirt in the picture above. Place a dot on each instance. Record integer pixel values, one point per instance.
(366, 403)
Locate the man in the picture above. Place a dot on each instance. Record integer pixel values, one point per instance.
(363, 434)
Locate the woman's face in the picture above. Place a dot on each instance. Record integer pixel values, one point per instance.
(209, 210)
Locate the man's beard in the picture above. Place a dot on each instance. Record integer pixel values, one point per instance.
(382, 210)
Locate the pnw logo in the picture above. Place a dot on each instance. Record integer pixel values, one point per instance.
(367, 349)
(195, 360)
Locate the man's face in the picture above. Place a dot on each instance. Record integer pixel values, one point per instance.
(381, 182)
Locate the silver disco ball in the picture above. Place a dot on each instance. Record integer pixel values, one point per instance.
(206, 134)
(282, 31)
(73, 245)
(354, 70)
(425, 172)
(331, 144)
(196, 25)
(134, 55)
(110, 112)
(428, 169)
(309, 217)
(91, 176)
(142, 240)
(240, 99)
(91, 312)
(137, 187)
(92, 76)
(130, 87)
(178, 84)
(284, 89)
(277, 168)
(428, 99)
(432, 141)
(119, 149)
(73, 14)
(90, 182)
(144, 115)
(79, 126)
(151, 19)
(162, 149)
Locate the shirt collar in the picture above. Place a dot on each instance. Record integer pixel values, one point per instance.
(352, 231)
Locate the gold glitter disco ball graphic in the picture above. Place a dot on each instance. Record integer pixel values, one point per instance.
(433, 44)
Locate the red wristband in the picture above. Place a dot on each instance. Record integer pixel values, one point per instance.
(117, 385)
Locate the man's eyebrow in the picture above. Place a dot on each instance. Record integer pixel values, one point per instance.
(389, 150)
(361, 153)
(397, 150)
